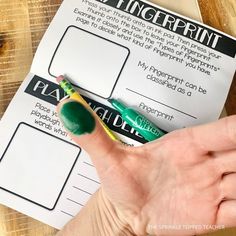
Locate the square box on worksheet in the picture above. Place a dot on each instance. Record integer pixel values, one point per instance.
(40, 170)
(91, 62)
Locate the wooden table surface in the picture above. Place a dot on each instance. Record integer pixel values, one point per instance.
(22, 24)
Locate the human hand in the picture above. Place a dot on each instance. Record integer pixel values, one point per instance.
(184, 179)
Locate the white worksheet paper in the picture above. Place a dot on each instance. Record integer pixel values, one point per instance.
(174, 70)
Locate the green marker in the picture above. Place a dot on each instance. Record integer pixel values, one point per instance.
(139, 122)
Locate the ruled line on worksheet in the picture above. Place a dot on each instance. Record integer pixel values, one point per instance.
(66, 213)
(87, 163)
(76, 202)
(82, 190)
(86, 177)
(161, 103)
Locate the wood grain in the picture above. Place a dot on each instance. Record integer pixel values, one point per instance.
(221, 14)
(23, 23)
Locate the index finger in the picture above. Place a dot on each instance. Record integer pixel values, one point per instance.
(216, 136)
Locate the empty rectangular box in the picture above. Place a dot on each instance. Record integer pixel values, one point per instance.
(91, 62)
(37, 171)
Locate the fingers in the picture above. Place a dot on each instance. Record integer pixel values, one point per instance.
(216, 136)
(85, 129)
(227, 214)
(226, 161)
(228, 187)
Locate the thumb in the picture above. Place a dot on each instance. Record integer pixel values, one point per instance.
(86, 130)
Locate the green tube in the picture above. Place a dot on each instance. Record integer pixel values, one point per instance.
(139, 122)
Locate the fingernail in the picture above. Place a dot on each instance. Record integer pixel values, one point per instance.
(76, 118)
